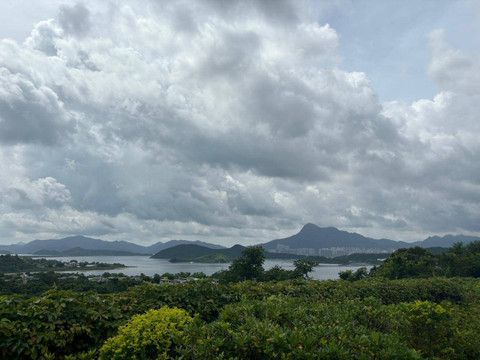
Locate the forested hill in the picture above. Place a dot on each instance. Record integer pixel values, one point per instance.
(195, 251)
(192, 251)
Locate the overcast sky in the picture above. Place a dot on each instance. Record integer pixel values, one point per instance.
(238, 121)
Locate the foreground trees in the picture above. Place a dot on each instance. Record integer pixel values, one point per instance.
(459, 260)
(250, 267)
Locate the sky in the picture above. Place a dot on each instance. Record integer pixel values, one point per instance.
(239, 121)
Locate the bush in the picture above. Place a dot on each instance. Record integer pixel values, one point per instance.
(290, 329)
(146, 336)
(349, 275)
(424, 325)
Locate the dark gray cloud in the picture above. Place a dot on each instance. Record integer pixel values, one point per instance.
(228, 123)
(74, 20)
(29, 112)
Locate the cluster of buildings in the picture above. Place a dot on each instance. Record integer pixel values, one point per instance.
(104, 279)
(75, 263)
(164, 280)
(328, 252)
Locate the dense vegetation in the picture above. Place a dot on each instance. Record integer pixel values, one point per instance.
(373, 318)
(459, 260)
(208, 259)
(349, 318)
(38, 283)
(15, 263)
(249, 266)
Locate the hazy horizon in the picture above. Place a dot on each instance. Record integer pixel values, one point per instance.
(238, 123)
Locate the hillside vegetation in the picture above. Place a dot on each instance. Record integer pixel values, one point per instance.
(14, 263)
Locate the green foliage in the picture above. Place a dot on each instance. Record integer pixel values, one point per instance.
(350, 275)
(15, 263)
(303, 267)
(445, 330)
(459, 260)
(57, 323)
(289, 329)
(277, 273)
(249, 266)
(60, 323)
(44, 281)
(424, 325)
(405, 263)
(147, 336)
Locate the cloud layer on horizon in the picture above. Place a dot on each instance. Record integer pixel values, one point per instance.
(225, 123)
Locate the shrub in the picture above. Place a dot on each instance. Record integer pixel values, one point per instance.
(290, 329)
(424, 325)
(146, 336)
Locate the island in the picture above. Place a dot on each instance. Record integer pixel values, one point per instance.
(16, 264)
(201, 254)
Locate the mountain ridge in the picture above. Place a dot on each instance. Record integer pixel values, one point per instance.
(310, 236)
(315, 237)
(87, 243)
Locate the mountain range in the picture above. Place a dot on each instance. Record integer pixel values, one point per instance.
(310, 237)
(314, 237)
(54, 246)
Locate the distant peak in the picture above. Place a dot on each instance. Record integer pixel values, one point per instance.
(309, 226)
(313, 227)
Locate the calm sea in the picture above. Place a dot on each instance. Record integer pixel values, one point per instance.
(150, 267)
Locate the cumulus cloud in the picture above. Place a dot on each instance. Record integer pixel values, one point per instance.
(30, 112)
(452, 69)
(74, 20)
(233, 123)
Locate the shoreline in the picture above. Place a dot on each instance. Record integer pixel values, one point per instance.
(71, 270)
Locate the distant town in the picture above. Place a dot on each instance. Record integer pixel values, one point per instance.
(328, 252)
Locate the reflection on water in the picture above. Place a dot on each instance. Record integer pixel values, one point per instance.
(150, 267)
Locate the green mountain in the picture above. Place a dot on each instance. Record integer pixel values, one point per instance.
(191, 251)
(207, 259)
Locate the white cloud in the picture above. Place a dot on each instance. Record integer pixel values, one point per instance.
(201, 120)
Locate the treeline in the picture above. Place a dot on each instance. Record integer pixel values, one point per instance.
(34, 284)
(14, 263)
(37, 283)
(459, 260)
(249, 266)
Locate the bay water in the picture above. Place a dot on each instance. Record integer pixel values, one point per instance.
(146, 265)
